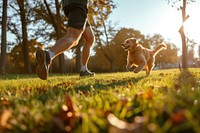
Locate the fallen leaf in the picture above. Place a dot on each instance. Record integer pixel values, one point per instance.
(162, 74)
(4, 117)
(4, 102)
(178, 116)
(64, 84)
(120, 126)
(148, 94)
(67, 117)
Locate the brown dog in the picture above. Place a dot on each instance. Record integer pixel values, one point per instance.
(139, 56)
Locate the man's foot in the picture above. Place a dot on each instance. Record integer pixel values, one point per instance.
(43, 63)
(86, 73)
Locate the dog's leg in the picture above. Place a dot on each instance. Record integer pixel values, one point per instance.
(147, 69)
(128, 66)
(150, 66)
(141, 64)
(139, 68)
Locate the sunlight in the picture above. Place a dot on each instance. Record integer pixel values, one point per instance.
(192, 25)
(168, 25)
(169, 22)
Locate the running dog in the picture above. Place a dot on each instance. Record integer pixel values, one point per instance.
(139, 56)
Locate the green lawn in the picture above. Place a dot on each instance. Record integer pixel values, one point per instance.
(166, 101)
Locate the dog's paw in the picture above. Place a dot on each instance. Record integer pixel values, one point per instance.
(128, 68)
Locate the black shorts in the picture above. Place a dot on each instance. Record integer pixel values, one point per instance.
(77, 15)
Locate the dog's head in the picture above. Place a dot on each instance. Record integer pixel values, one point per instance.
(129, 43)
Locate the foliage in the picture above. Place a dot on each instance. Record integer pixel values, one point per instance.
(99, 10)
(165, 101)
(45, 14)
(16, 55)
(161, 59)
(14, 20)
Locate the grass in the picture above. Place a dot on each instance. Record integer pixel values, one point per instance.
(165, 101)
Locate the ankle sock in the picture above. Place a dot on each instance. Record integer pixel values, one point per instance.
(83, 68)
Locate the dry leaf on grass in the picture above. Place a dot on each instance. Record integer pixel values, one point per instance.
(67, 117)
(4, 102)
(178, 116)
(4, 117)
(120, 126)
(64, 84)
(148, 94)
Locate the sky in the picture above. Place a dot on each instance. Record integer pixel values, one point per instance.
(157, 16)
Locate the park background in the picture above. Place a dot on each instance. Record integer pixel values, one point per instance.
(38, 24)
(165, 101)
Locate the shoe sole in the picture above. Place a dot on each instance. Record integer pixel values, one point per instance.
(41, 69)
(86, 75)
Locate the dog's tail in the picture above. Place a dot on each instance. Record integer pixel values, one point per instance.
(159, 48)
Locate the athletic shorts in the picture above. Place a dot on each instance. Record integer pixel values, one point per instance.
(77, 15)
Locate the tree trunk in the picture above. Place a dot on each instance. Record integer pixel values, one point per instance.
(59, 35)
(111, 61)
(25, 50)
(3, 39)
(183, 39)
(112, 66)
(199, 51)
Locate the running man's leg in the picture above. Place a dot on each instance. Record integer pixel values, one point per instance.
(90, 38)
(77, 17)
(70, 40)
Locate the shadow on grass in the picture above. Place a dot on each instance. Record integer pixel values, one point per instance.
(17, 76)
(186, 79)
(110, 84)
(184, 96)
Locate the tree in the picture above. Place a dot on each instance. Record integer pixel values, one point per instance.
(18, 25)
(57, 26)
(47, 14)
(164, 61)
(16, 55)
(107, 31)
(23, 17)
(103, 30)
(183, 39)
(181, 30)
(191, 46)
(3, 39)
(155, 40)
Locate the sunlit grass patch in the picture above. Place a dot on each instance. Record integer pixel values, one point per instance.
(165, 101)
